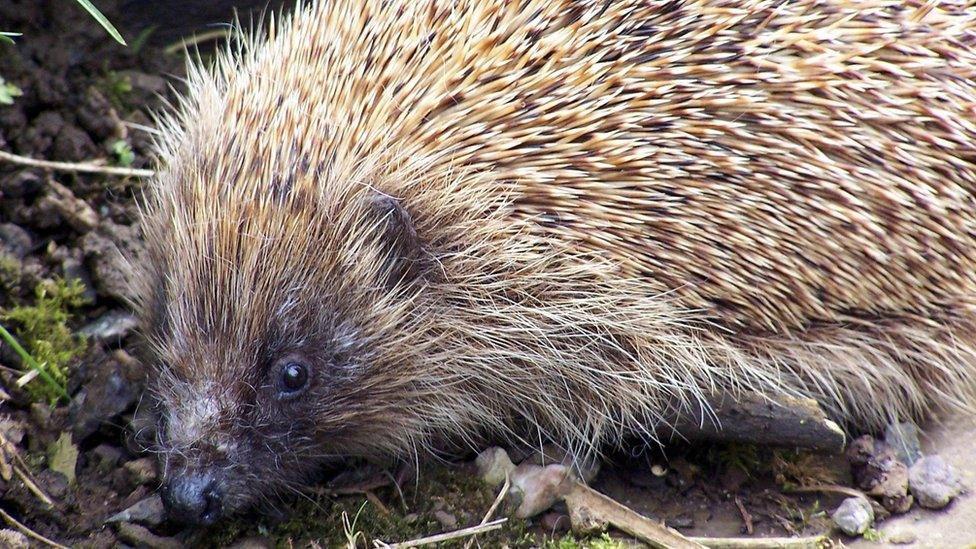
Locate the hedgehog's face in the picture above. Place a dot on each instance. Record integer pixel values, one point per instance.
(267, 368)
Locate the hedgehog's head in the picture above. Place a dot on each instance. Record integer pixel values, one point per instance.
(281, 331)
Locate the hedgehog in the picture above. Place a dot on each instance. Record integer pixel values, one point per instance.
(385, 228)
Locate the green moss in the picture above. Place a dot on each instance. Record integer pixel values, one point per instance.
(122, 152)
(10, 269)
(8, 92)
(872, 534)
(43, 329)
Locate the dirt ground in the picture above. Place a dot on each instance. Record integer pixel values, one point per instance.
(68, 469)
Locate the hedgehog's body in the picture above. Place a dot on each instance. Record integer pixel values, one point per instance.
(477, 216)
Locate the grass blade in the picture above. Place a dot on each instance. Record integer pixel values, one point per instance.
(102, 20)
(29, 360)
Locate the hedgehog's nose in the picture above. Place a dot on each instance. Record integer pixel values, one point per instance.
(193, 499)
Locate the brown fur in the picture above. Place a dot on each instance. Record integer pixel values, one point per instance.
(607, 211)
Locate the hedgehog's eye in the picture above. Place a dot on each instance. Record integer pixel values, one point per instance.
(293, 377)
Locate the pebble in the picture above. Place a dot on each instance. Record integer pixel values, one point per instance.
(494, 465)
(140, 536)
(537, 488)
(21, 184)
(854, 516)
(74, 211)
(106, 261)
(933, 482)
(142, 470)
(112, 326)
(878, 472)
(110, 386)
(902, 438)
(14, 240)
(106, 457)
(148, 512)
(446, 519)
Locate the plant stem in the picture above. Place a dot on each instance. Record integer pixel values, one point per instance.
(29, 360)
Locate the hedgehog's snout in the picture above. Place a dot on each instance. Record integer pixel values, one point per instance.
(193, 498)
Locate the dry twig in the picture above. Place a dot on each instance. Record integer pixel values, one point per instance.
(813, 542)
(28, 532)
(746, 517)
(438, 538)
(829, 489)
(589, 510)
(16, 463)
(80, 167)
(494, 507)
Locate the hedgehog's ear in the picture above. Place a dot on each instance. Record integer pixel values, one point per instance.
(405, 258)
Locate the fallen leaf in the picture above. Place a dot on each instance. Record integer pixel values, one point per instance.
(63, 457)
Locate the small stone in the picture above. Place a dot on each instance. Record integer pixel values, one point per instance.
(860, 450)
(140, 536)
(13, 539)
(494, 465)
(537, 488)
(73, 210)
(53, 483)
(898, 504)
(446, 519)
(12, 430)
(111, 326)
(854, 516)
(14, 240)
(880, 512)
(21, 184)
(878, 472)
(148, 512)
(658, 470)
(106, 250)
(109, 387)
(72, 145)
(142, 470)
(902, 438)
(106, 457)
(933, 482)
